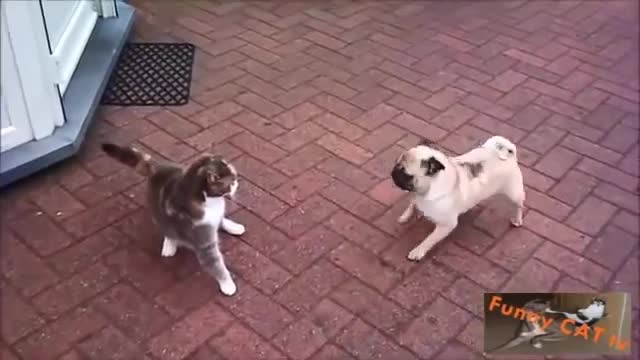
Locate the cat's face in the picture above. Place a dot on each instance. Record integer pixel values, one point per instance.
(598, 302)
(219, 178)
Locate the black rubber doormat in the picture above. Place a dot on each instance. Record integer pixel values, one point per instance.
(151, 74)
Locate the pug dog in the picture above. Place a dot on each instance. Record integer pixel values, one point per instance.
(445, 187)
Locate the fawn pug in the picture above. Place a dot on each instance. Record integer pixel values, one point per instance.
(445, 187)
(188, 205)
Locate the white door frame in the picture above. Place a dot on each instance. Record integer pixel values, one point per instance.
(107, 8)
(35, 67)
(73, 41)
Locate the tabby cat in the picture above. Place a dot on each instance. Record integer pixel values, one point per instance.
(188, 205)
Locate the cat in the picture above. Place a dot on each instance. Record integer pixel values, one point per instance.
(188, 205)
(530, 331)
(589, 315)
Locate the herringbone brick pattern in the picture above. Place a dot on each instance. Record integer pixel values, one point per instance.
(313, 101)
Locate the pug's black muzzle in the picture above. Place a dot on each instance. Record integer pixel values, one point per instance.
(401, 179)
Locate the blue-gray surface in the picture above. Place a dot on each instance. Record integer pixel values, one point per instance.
(80, 101)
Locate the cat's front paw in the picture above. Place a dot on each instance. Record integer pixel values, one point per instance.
(233, 227)
(169, 248)
(236, 229)
(228, 287)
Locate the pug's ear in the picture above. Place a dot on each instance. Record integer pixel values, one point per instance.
(431, 166)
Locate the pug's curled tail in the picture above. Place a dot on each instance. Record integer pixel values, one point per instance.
(130, 156)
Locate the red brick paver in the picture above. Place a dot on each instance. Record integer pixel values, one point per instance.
(314, 101)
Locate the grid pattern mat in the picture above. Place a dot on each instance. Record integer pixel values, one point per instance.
(151, 74)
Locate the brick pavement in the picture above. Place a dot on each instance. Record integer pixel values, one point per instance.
(313, 101)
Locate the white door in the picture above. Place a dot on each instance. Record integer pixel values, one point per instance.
(29, 95)
(69, 24)
(16, 128)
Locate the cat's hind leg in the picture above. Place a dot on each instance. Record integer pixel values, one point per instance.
(232, 227)
(212, 261)
(210, 258)
(169, 247)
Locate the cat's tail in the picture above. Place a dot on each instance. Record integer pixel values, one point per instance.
(549, 311)
(130, 156)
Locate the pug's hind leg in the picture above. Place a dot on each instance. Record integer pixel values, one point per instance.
(408, 212)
